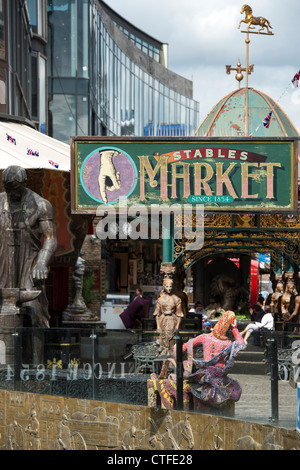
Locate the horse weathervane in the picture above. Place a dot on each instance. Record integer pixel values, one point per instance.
(252, 22)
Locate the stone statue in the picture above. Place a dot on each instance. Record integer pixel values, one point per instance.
(286, 302)
(78, 311)
(226, 294)
(272, 299)
(24, 260)
(32, 429)
(209, 384)
(168, 314)
(292, 304)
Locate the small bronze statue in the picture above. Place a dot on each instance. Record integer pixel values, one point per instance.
(168, 314)
(78, 311)
(286, 302)
(25, 217)
(273, 299)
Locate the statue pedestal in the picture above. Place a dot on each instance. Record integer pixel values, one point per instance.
(98, 325)
(11, 316)
(77, 314)
(227, 410)
(166, 391)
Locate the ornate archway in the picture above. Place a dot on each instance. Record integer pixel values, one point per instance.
(277, 234)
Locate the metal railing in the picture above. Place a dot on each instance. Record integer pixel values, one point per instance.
(114, 365)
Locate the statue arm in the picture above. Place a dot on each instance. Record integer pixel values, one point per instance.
(189, 347)
(179, 311)
(48, 230)
(237, 336)
(157, 315)
(296, 308)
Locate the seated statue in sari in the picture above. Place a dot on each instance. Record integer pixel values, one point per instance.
(209, 381)
(205, 382)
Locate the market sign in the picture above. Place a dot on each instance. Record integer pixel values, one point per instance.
(222, 174)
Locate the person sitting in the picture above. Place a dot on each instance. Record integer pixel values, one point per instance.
(261, 301)
(256, 312)
(266, 324)
(197, 310)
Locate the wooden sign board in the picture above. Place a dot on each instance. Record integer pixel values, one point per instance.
(239, 175)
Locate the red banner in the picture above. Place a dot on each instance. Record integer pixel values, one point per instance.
(222, 153)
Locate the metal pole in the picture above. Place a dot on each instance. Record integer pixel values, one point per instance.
(274, 376)
(179, 371)
(168, 241)
(247, 41)
(17, 358)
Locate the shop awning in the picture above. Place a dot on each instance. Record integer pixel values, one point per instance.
(22, 145)
(47, 162)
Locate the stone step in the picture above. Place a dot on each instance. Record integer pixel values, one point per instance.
(250, 356)
(250, 361)
(250, 368)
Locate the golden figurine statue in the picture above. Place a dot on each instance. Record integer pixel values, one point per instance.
(253, 21)
(168, 314)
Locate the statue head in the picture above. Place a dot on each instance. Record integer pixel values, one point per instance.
(14, 179)
(279, 286)
(227, 320)
(168, 285)
(290, 286)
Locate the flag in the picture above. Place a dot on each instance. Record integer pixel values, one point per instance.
(266, 121)
(295, 79)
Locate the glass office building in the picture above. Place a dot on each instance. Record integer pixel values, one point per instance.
(107, 77)
(23, 63)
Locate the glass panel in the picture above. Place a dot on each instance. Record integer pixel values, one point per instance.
(2, 30)
(3, 91)
(32, 9)
(62, 27)
(41, 28)
(64, 109)
(82, 39)
(114, 365)
(82, 115)
(42, 96)
(34, 86)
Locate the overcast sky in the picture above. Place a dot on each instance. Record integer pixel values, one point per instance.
(203, 38)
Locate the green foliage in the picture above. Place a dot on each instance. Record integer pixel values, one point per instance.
(88, 283)
(245, 317)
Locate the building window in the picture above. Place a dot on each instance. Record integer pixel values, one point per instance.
(2, 31)
(3, 91)
(34, 87)
(42, 95)
(36, 10)
(38, 91)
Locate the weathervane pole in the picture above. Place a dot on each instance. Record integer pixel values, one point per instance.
(252, 22)
(247, 41)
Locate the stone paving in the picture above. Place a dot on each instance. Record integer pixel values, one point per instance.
(255, 402)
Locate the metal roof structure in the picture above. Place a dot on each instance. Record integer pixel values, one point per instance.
(241, 113)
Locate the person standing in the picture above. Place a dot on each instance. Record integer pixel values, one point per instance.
(136, 310)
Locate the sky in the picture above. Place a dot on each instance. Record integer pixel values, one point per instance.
(203, 38)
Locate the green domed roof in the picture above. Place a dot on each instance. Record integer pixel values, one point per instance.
(240, 114)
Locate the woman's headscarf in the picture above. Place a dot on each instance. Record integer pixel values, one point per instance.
(220, 329)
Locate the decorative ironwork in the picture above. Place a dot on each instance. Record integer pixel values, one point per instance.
(277, 234)
(144, 355)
